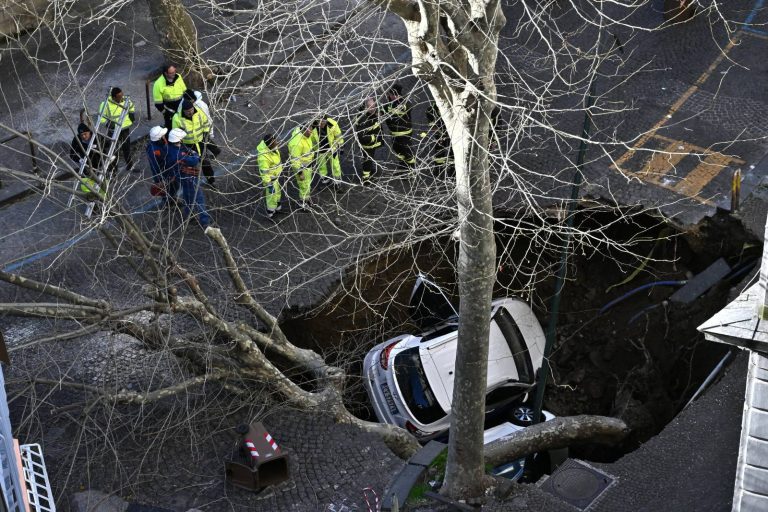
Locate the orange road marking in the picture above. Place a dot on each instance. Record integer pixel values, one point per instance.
(679, 103)
(702, 174)
(660, 164)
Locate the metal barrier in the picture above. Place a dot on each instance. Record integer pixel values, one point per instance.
(10, 483)
(32, 150)
(257, 461)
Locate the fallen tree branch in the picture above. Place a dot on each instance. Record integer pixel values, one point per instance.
(53, 310)
(56, 291)
(244, 297)
(556, 433)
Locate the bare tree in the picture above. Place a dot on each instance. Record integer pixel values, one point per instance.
(219, 319)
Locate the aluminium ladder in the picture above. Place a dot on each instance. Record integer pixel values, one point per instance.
(107, 158)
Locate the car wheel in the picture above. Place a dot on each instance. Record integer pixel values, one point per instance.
(522, 415)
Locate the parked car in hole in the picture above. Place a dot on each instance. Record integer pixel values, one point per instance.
(409, 378)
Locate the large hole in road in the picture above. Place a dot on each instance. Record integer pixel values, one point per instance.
(636, 356)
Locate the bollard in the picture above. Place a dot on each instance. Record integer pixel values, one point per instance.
(735, 190)
(257, 461)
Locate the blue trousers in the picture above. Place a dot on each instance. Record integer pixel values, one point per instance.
(194, 201)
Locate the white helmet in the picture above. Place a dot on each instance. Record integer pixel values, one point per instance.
(176, 135)
(157, 132)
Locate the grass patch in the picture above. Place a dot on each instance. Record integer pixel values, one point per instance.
(435, 471)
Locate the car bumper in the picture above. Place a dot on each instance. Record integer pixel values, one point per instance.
(375, 381)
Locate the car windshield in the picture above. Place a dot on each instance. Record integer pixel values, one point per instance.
(414, 387)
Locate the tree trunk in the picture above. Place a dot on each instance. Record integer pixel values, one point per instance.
(465, 471)
(556, 433)
(178, 37)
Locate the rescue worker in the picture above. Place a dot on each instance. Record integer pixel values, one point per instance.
(197, 126)
(167, 93)
(438, 138)
(92, 167)
(398, 111)
(270, 168)
(368, 130)
(182, 162)
(327, 137)
(196, 97)
(80, 144)
(164, 183)
(301, 151)
(112, 110)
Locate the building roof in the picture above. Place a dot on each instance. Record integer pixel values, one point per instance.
(739, 323)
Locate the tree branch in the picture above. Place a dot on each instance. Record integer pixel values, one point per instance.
(556, 433)
(54, 290)
(244, 296)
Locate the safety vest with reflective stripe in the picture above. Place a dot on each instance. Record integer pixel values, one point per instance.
(270, 166)
(335, 139)
(300, 149)
(368, 129)
(195, 127)
(114, 110)
(162, 92)
(399, 120)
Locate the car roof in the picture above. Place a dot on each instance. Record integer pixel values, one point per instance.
(438, 358)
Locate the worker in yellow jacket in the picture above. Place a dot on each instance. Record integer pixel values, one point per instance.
(301, 151)
(270, 168)
(198, 127)
(167, 93)
(327, 138)
(111, 112)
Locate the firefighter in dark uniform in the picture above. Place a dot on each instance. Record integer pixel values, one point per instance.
(398, 112)
(368, 131)
(437, 137)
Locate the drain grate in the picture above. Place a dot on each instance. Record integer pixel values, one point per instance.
(577, 483)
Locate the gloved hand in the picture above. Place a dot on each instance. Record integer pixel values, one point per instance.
(271, 189)
(81, 161)
(160, 107)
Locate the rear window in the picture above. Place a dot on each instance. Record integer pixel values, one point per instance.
(414, 387)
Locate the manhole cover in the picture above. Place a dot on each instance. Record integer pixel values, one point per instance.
(577, 483)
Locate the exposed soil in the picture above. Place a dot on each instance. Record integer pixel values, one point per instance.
(640, 360)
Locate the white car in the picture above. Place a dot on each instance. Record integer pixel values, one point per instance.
(409, 378)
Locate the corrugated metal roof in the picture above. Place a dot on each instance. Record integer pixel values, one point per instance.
(751, 487)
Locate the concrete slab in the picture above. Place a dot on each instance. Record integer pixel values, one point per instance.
(427, 454)
(701, 282)
(401, 486)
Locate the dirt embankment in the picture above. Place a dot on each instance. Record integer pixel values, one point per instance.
(623, 348)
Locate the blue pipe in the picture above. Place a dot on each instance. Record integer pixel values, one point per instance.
(642, 312)
(741, 271)
(636, 290)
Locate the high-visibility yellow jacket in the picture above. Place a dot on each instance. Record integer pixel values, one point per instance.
(301, 149)
(113, 110)
(270, 165)
(196, 127)
(335, 138)
(164, 93)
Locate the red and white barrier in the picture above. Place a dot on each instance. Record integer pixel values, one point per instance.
(375, 499)
(271, 441)
(251, 449)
